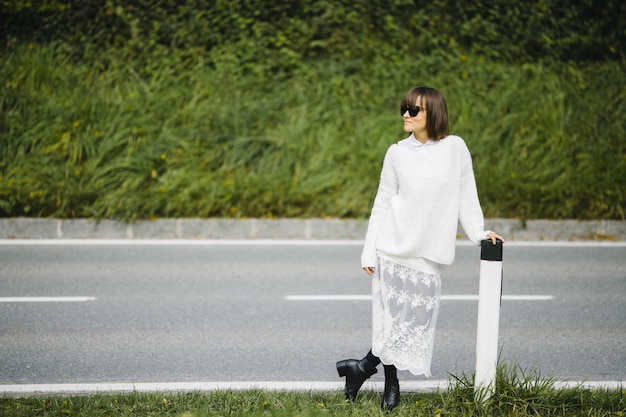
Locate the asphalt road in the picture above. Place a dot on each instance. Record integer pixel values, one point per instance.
(201, 311)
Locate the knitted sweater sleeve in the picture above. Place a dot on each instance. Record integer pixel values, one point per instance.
(470, 212)
(387, 188)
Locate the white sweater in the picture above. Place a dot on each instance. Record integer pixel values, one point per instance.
(424, 191)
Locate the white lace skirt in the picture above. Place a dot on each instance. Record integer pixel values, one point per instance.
(405, 308)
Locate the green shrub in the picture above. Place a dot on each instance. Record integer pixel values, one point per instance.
(514, 31)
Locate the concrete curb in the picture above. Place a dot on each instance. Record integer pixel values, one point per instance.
(423, 386)
(314, 229)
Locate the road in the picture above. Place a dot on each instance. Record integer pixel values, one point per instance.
(220, 311)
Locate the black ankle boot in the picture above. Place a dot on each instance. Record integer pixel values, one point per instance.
(391, 396)
(356, 372)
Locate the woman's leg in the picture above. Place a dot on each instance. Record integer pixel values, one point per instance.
(356, 372)
(391, 396)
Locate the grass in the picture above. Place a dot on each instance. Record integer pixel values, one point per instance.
(174, 135)
(518, 393)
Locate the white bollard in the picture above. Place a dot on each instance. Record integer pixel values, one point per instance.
(489, 298)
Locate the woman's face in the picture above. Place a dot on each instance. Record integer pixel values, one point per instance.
(417, 123)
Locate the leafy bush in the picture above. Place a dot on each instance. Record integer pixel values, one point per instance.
(578, 30)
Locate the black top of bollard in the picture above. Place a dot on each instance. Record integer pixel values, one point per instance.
(489, 251)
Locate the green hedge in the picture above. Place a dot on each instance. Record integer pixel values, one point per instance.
(577, 30)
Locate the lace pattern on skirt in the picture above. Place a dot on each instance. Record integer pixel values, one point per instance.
(404, 315)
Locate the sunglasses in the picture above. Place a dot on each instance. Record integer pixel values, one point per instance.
(413, 110)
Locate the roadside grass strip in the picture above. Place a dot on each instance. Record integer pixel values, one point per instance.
(518, 394)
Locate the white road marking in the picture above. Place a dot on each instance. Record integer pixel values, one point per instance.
(45, 299)
(20, 390)
(23, 390)
(462, 297)
(181, 242)
(274, 242)
(504, 297)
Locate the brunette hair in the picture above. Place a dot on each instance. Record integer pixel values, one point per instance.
(436, 110)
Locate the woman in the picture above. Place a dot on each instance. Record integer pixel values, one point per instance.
(426, 187)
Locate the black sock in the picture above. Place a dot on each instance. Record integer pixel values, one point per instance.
(372, 359)
(391, 373)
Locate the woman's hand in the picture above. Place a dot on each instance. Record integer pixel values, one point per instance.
(369, 270)
(493, 236)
